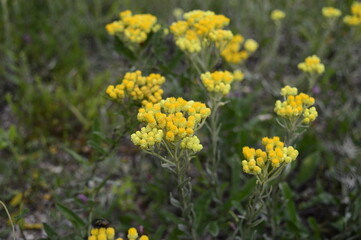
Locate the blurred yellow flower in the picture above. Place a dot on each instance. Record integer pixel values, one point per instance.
(312, 64)
(277, 15)
(251, 45)
(133, 28)
(331, 12)
(355, 18)
(233, 52)
(199, 29)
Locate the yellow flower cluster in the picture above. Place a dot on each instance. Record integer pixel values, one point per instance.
(331, 12)
(295, 105)
(102, 234)
(173, 120)
(277, 15)
(287, 90)
(192, 143)
(355, 18)
(233, 52)
(109, 233)
(147, 137)
(199, 29)
(133, 28)
(312, 64)
(140, 88)
(275, 154)
(238, 75)
(218, 82)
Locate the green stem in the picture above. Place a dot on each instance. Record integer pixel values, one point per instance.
(311, 81)
(214, 132)
(254, 207)
(160, 157)
(6, 23)
(10, 219)
(273, 49)
(181, 161)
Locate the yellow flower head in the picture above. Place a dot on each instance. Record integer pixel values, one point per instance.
(173, 120)
(251, 45)
(132, 234)
(233, 52)
(238, 75)
(312, 64)
(277, 15)
(287, 90)
(355, 18)
(139, 88)
(331, 12)
(356, 8)
(109, 233)
(275, 155)
(199, 29)
(296, 106)
(218, 82)
(133, 28)
(102, 234)
(116, 26)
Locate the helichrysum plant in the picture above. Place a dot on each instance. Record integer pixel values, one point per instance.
(313, 67)
(139, 88)
(266, 165)
(169, 135)
(200, 35)
(296, 111)
(109, 234)
(217, 85)
(355, 18)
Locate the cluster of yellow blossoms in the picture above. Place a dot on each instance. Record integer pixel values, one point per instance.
(109, 234)
(174, 120)
(257, 161)
(140, 88)
(238, 75)
(233, 52)
(331, 12)
(295, 105)
(277, 15)
(199, 29)
(133, 28)
(218, 82)
(312, 64)
(355, 18)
